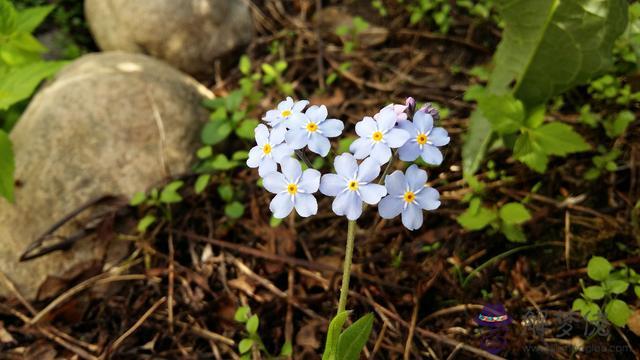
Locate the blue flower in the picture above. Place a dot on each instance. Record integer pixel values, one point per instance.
(269, 151)
(278, 118)
(377, 137)
(424, 139)
(312, 129)
(409, 195)
(351, 185)
(293, 188)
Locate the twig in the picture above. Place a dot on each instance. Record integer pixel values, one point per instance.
(12, 288)
(131, 330)
(171, 282)
(412, 328)
(207, 334)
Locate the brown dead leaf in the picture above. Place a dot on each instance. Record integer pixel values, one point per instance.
(334, 99)
(41, 350)
(634, 322)
(307, 337)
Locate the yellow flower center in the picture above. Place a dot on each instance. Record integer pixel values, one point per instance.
(352, 185)
(421, 139)
(292, 189)
(377, 136)
(312, 127)
(409, 196)
(266, 149)
(286, 113)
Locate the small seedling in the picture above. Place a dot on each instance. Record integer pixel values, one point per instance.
(252, 340)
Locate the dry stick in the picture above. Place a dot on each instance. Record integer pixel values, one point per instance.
(412, 327)
(135, 327)
(453, 309)
(288, 329)
(96, 280)
(207, 334)
(12, 288)
(376, 346)
(171, 282)
(567, 237)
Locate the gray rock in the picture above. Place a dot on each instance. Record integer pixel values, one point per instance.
(109, 123)
(188, 34)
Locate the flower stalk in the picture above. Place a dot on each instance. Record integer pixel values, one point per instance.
(346, 272)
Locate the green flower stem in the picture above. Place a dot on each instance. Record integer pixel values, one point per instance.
(346, 272)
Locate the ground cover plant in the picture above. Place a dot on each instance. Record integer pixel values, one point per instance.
(308, 228)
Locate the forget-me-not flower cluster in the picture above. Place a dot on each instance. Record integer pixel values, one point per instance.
(394, 129)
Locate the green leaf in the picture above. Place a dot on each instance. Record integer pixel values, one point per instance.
(169, 194)
(240, 155)
(233, 100)
(204, 152)
(594, 292)
(215, 131)
(514, 213)
(242, 314)
(618, 312)
(201, 183)
(245, 65)
(504, 112)
(246, 129)
(616, 286)
(344, 143)
(513, 232)
(252, 324)
(18, 83)
(354, 338)
(8, 17)
(7, 166)
(333, 335)
(145, 222)
(234, 210)
(225, 192)
(636, 289)
(530, 152)
(274, 222)
(28, 19)
(619, 124)
(559, 139)
(598, 268)
(287, 349)
(138, 198)
(245, 345)
(476, 142)
(549, 46)
(588, 310)
(477, 217)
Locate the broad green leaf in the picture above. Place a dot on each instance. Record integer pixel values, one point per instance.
(477, 217)
(618, 312)
(138, 198)
(476, 142)
(240, 155)
(514, 213)
(204, 152)
(215, 131)
(145, 222)
(7, 166)
(594, 292)
(616, 286)
(8, 17)
(28, 19)
(246, 129)
(333, 335)
(549, 46)
(201, 183)
(589, 310)
(169, 194)
(559, 139)
(513, 232)
(233, 101)
(354, 338)
(19, 83)
(530, 152)
(221, 162)
(252, 324)
(225, 192)
(504, 112)
(242, 314)
(245, 345)
(234, 210)
(598, 268)
(245, 65)
(619, 124)
(287, 349)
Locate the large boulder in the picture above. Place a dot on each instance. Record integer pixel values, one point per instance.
(108, 124)
(188, 34)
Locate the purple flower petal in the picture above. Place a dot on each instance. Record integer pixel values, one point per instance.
(396, 183)
(381, 153)
(262, 134)
(345, 165)
(297, 138)
(439, 137)
(372, 193)
(306, 205)
(277, 135)
(416, 177)
(285, 104)
(297, 121)
(317, 114)
(299, 106)
(348, 203)
(423, 122)
(386, 119)
(366, 127)
(275, 182)
(390, 206)
(396, 137)
(319, 144)
(431, 155)
(291, 169)
(409, 151)
(412, 217)
(409, 127)
(267, 166)
(281, 205)
(331, 127)
(361, 148)
(332, 184)
(280, 152)
(369, 169)
(428, 198)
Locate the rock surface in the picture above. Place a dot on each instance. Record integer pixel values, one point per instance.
(188, 34)
(109, 123)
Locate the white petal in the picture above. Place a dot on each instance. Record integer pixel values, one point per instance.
(275, 182)
(285, 104)
(409, 151)
(366, 127)
(297, 138)
(277, 135)
(431, 155)
(262, 134)
(439, 137)
(387, 119)
(369, 169)
(416, 177)
(306, 205)
(396, 137)
(317, 114)
(297, 121)
(390, 207)
(332, 184)
(281, 205)
(281, 152)
(331, 127)
(409, 127)
(396, 183)
(345, 165)
(423, 122)
(412, 217)
(267, 166)
(310, 181)
(372, 193)
(319, 144)
(381, 153)
(428, 198)
(361, 148)
(299, 105)
(254, 157)
(271, 115)
(348, 203)
(291, 169)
